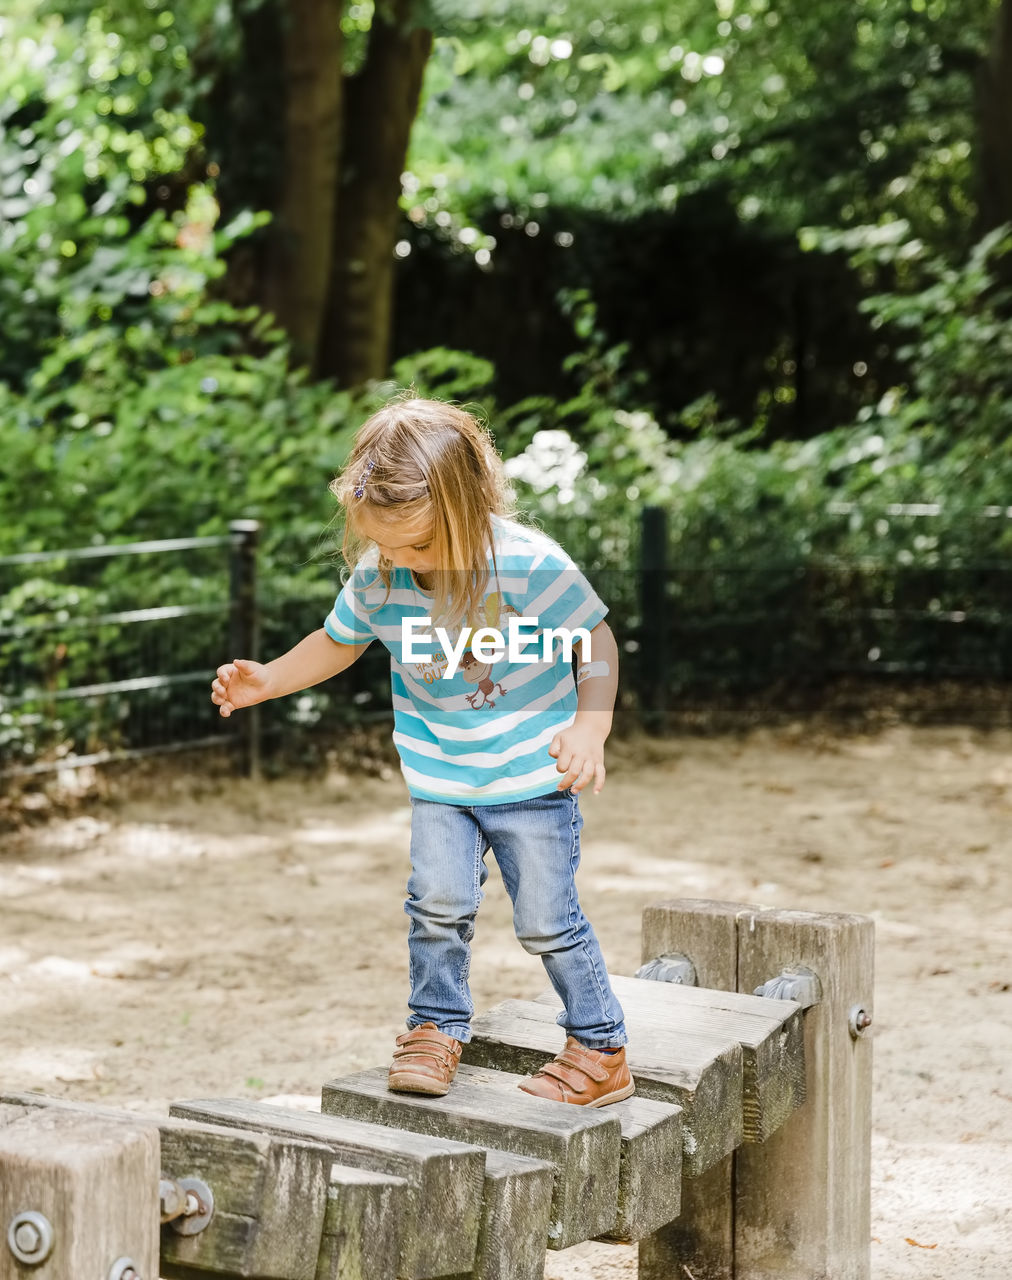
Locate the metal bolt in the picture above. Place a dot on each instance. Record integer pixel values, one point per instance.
(124, 1269)
(859, 1021)
(30, 1237)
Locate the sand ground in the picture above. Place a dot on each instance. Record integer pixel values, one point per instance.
(197, 936)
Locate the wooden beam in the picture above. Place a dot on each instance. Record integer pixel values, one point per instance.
(699, 1072)
(444, 1179)
(260, 1185)
(363, 1231)
(770, 1032)
(515, 1216)
(486, 1108)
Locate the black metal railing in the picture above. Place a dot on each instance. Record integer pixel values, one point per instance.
(107, 652)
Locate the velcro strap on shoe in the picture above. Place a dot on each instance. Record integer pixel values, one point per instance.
(422, 1062)
(565, 1076)
(427, 1037)
(588, 1066)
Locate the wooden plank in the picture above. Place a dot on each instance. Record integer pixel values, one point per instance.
(260, 1184)
(487, 1108)
(95, 1181)
(516, 1214)
(770, 1032)
(699, 1073)
(444, 1179)
(802, 1199)
(498, 1112)
(363, 1231)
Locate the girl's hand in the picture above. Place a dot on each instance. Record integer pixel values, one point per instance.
(579, 752)
(241, 683)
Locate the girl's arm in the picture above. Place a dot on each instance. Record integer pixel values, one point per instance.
(597, 689)
(579, 750)
(243, 683)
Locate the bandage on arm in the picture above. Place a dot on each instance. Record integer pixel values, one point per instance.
(588, 670)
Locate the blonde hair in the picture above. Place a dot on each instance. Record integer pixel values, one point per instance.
(426, 459)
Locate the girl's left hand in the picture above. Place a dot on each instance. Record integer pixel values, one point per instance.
(579, 755)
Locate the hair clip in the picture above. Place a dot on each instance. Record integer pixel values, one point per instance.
(360, 487)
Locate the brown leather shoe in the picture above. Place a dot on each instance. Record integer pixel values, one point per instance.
(425, 1061)
(585, 1077)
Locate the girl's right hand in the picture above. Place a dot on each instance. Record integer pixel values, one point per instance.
(241, 683)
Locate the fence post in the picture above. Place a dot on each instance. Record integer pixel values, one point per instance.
(653, 657)
(244, 630)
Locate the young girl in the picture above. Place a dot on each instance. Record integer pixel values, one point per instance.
(483, 732)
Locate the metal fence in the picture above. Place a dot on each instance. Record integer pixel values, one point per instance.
(107, 652)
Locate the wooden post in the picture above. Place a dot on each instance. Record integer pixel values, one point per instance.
(653, 663)
(78, 1194)
(797, 1206)
(700, 1242)
(244, 630)
(803, 1197)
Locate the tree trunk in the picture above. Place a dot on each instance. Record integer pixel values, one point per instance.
(994, 100)
(298, 271)
(381, 102)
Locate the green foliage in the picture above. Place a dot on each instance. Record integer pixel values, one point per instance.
(137, 402)
(956, 332)
(802, 112)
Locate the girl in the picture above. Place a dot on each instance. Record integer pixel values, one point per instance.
(483, 730)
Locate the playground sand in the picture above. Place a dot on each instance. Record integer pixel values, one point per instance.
(194, 936)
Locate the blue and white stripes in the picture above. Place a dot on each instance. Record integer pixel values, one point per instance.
(480, 736)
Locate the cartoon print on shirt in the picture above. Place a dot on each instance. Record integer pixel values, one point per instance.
(480, 673)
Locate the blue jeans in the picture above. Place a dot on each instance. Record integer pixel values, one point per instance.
(537, 846)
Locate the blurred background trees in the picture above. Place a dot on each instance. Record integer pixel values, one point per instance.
(748, 259)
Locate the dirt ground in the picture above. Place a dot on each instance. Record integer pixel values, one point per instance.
(194, 936)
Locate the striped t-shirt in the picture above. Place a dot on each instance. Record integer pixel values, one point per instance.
(481, 735)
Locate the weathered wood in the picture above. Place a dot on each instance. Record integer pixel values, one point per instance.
(444, 1179)
(9, 1112)
(261, 1186)
(797, 1205)
(649, 1179)
(802, 1199)
(515, 1216)
(704, 929)
(701, 1242)
(770, 1032)
(487, 1108)
(700, 1073)
(363, 1231)
(94, 1180)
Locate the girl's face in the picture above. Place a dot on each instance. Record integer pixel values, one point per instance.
(406, 543)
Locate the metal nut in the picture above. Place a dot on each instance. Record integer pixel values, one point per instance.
(859, 1021)
(30, 1237)
(198, 1207)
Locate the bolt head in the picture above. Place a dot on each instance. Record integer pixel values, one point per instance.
(28, 1237)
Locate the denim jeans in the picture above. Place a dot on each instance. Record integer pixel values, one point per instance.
(537, 846)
